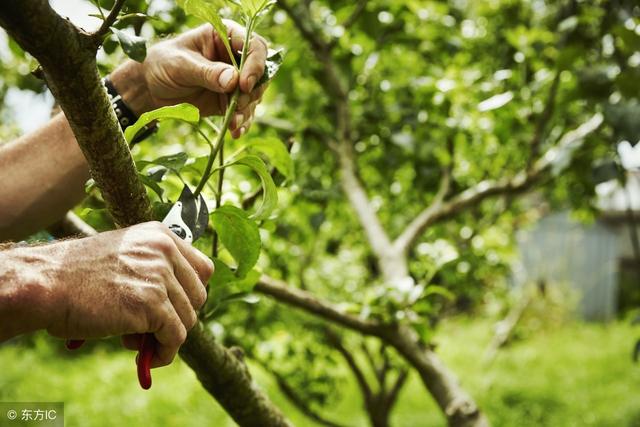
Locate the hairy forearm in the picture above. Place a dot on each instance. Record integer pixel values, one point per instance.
(25, 296)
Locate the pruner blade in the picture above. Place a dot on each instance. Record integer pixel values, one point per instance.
(188, 217)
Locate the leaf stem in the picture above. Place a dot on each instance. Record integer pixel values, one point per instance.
(214, 249)
(231, 110)
(97, 3)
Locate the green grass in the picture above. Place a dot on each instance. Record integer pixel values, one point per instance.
(580, 375)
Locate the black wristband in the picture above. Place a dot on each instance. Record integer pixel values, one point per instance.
(125, 116)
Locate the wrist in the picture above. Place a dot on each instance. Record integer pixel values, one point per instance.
(128, 80)
(29, 299)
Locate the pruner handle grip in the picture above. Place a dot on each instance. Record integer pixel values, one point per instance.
(146, 350)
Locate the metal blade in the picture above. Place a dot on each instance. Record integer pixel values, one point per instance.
(202, 221)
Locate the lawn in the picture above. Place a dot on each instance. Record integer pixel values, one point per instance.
(579, 375)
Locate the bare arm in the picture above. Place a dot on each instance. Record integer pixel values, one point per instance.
(42, 175)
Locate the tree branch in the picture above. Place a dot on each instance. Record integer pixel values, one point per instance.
(485, 189)
(108, 22)
(342, 146)
(67, 57)
(335, 341)
(393, 394)
(304, 407)
(306, 301)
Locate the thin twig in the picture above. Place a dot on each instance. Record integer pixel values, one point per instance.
(231, 110)
(108, 22)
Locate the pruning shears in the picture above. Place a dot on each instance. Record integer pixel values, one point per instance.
(188, 219)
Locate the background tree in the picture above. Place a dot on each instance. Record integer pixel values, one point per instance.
(414, 127)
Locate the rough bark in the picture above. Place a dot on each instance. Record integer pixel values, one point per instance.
(229, 381)
(67, 57)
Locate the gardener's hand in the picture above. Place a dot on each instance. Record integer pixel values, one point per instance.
(129, 281)
(195, 68)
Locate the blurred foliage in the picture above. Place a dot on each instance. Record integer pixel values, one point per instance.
(481, 87)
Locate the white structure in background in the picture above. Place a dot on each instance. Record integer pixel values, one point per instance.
(597, 260)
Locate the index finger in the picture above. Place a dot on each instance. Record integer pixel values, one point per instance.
(199, 261)
(256, 55)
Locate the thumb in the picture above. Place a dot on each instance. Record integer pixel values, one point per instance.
(214, 76)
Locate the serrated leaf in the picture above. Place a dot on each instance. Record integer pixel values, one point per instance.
(185, 112)
(270, 192)
(135, 47)
(272, 65)
(276, 153)
(208, 11)
(239, 235)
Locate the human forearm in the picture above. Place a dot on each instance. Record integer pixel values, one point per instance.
(43, 175)
(45, 170)
(26, 299)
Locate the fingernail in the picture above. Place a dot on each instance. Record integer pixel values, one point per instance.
(225, 77)
(252, 82)
(243, 130)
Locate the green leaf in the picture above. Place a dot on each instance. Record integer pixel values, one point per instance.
(270, 192)
(159, 210)
(240, 235)
(172, 161)
(276, 153)
(135, 47)
(226, 287)
(274, 61)
(254, 8)
(152, 184)
(208, 11)
(185, 112)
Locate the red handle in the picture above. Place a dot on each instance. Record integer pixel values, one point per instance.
(74, 344)
(145, 356)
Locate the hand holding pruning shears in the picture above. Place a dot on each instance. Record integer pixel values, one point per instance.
(187, 219)
(183, 294)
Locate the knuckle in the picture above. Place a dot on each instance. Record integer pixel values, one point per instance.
(164, 243)
(209, 74)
